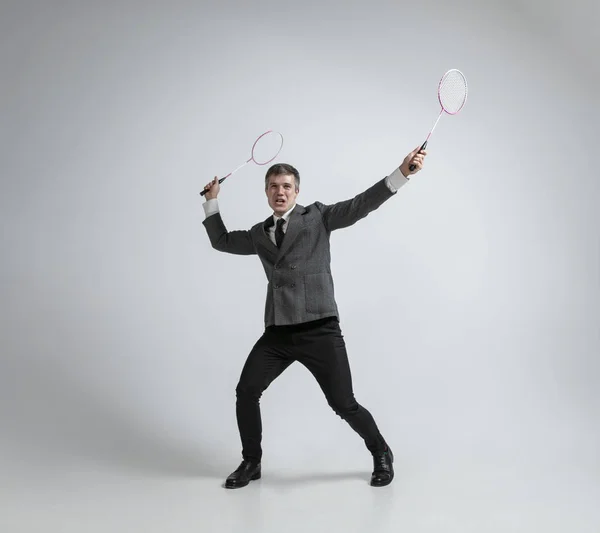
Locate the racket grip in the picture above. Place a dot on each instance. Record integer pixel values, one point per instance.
(204, 191)
(413, 166)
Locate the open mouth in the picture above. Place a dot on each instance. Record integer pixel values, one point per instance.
(279, 202)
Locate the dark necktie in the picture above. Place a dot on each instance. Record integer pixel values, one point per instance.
(279, 232)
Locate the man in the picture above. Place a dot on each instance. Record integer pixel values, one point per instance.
(301, 315)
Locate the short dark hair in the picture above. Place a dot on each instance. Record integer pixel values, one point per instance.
(280, 169)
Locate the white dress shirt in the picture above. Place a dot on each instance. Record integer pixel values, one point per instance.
(394, 181)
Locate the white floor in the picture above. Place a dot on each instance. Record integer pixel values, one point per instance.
(469, 496)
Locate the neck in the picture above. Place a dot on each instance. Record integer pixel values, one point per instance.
(286, 211)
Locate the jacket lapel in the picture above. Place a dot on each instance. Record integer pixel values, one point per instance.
(294, 227)
(264, 235)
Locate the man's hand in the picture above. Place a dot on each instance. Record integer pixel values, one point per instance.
(417, 158)
(212, 189)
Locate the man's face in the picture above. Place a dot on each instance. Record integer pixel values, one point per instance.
(281, 192)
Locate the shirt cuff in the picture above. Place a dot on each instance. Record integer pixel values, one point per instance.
(211, 207)
(396, 180)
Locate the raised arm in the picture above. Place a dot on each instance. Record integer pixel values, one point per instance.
(237, 242)
(345, 213)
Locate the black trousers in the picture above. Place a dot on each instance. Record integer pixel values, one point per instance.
(320, 347)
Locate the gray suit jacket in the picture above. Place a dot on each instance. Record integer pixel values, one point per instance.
(300, 285)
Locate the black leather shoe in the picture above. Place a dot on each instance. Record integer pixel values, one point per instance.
(383, 471)
(246, 472)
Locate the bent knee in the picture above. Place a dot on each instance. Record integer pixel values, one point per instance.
(248, 391)
(344, 408)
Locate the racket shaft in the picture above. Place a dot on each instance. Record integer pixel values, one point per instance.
(412, 167)
(232, 172)
(436, 122)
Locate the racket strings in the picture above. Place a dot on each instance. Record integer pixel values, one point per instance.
(267, 147)
(453, 92)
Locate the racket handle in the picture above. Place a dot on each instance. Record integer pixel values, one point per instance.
(220, 181)
(413, 166)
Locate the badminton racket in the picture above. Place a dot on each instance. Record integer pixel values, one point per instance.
(452, 95)
(264, 150)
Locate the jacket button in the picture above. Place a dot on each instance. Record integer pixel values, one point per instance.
(292, 285)
(276, 267)
(293, 267)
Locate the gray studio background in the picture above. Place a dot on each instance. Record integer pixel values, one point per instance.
(470, 301)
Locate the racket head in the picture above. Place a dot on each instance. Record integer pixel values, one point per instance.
(452, 91)
(267, 147)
